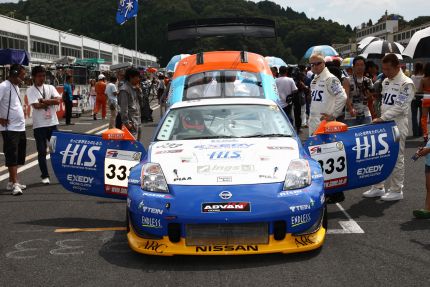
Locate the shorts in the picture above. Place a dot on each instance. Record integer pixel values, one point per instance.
(427, 168)
(14, 147)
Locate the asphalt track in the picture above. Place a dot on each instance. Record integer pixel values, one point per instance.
(370, 243)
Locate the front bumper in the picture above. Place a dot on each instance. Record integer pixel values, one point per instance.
(164, 247)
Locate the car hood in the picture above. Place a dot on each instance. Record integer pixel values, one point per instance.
(225, 162)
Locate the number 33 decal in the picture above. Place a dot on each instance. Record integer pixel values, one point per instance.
(330, 165)
(120, 173)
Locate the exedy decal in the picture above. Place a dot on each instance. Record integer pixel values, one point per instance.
(226, 207)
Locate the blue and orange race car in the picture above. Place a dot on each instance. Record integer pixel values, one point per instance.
(225, 173)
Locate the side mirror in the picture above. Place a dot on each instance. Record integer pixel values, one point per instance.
(332, 127)
(118, 135)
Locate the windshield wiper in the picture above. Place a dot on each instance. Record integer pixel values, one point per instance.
(269, 136)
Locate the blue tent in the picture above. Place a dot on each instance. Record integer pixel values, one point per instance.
(13, 56)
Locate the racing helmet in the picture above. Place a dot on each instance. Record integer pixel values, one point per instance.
(193, 120)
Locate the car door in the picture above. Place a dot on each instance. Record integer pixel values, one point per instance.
(92, 165)
(358, 157)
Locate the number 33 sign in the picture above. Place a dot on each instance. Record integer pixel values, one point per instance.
(332, 158)
(118, 164)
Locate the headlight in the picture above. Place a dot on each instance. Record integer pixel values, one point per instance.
(152, 178)
(298, 175)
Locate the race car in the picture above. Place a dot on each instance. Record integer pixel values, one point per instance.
(225, 176)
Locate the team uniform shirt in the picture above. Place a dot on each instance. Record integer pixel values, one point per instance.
(397, 94)
(111, 89)
(328, 97)
(43, 117)
(10, 100)
(357, 87)
(101, 90)
(68, 91)
(286, 87)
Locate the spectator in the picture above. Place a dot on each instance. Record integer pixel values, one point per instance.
(377, 95)
(128, 100)
(12, 126)
(425, 89)
(328, 95)
(101, 97)
(398, 91)
(425, 212)
(112, 94)
(286, 89)
(93, 94)
(44, 99)
(358, 93)
(416, 110)
(68, 99)
(274, 72)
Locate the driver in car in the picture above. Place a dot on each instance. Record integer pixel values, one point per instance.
(193, 124)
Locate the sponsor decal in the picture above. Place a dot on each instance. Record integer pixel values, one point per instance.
(156, 195)
(224, 146)
(322, 198)
(182, 179)
(133, 181)
(224, 179)
(371, 146)
(287, 193)
(220, 169)
(317, 176)
(169, 145)
(226, 207)
(332, 183)
(280, 148)
(80, 156)
(340, 145)
(123, 154)
(315, 150)
(225, 194)
(266, 176)
(370, 171)
(169, 151)
(151, 222)
(153, 245)
(297, 220)
(304, 240)
(303, 207)
(223, 248)
(225, 155)
(117, 190)
(79, 179)
(147, 209)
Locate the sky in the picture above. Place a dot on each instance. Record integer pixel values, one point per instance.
(351, 12)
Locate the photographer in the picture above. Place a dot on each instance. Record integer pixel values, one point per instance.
(359, 91)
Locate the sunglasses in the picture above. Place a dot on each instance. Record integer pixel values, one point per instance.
(315, 64)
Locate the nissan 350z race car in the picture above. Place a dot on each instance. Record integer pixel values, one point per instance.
(225, 177)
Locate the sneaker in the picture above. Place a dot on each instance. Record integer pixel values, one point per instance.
(46, 180)
(374, 192)
(16, 190)
(9, 186)
(392, 196)
(421, 214)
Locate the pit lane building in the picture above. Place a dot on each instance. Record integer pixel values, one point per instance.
(45, 44)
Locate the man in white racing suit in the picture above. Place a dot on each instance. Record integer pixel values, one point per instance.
(397, 93)
(328, 95)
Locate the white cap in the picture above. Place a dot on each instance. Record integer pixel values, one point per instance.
(101, 77)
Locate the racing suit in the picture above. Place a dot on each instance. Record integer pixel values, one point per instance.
(328, 96)
(397, 94)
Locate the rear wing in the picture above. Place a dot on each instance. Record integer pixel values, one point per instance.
(220, 27)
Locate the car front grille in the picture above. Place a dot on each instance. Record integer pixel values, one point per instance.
(211, 234)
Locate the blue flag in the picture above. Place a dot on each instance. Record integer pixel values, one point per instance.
(127, 9)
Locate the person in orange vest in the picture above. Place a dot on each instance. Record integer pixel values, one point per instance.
(101, 98)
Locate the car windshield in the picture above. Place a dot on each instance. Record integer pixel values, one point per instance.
(224, 121)
(223, 84)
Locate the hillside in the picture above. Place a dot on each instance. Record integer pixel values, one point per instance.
(96, 18)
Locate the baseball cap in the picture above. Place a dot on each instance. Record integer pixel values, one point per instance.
(101, 77)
